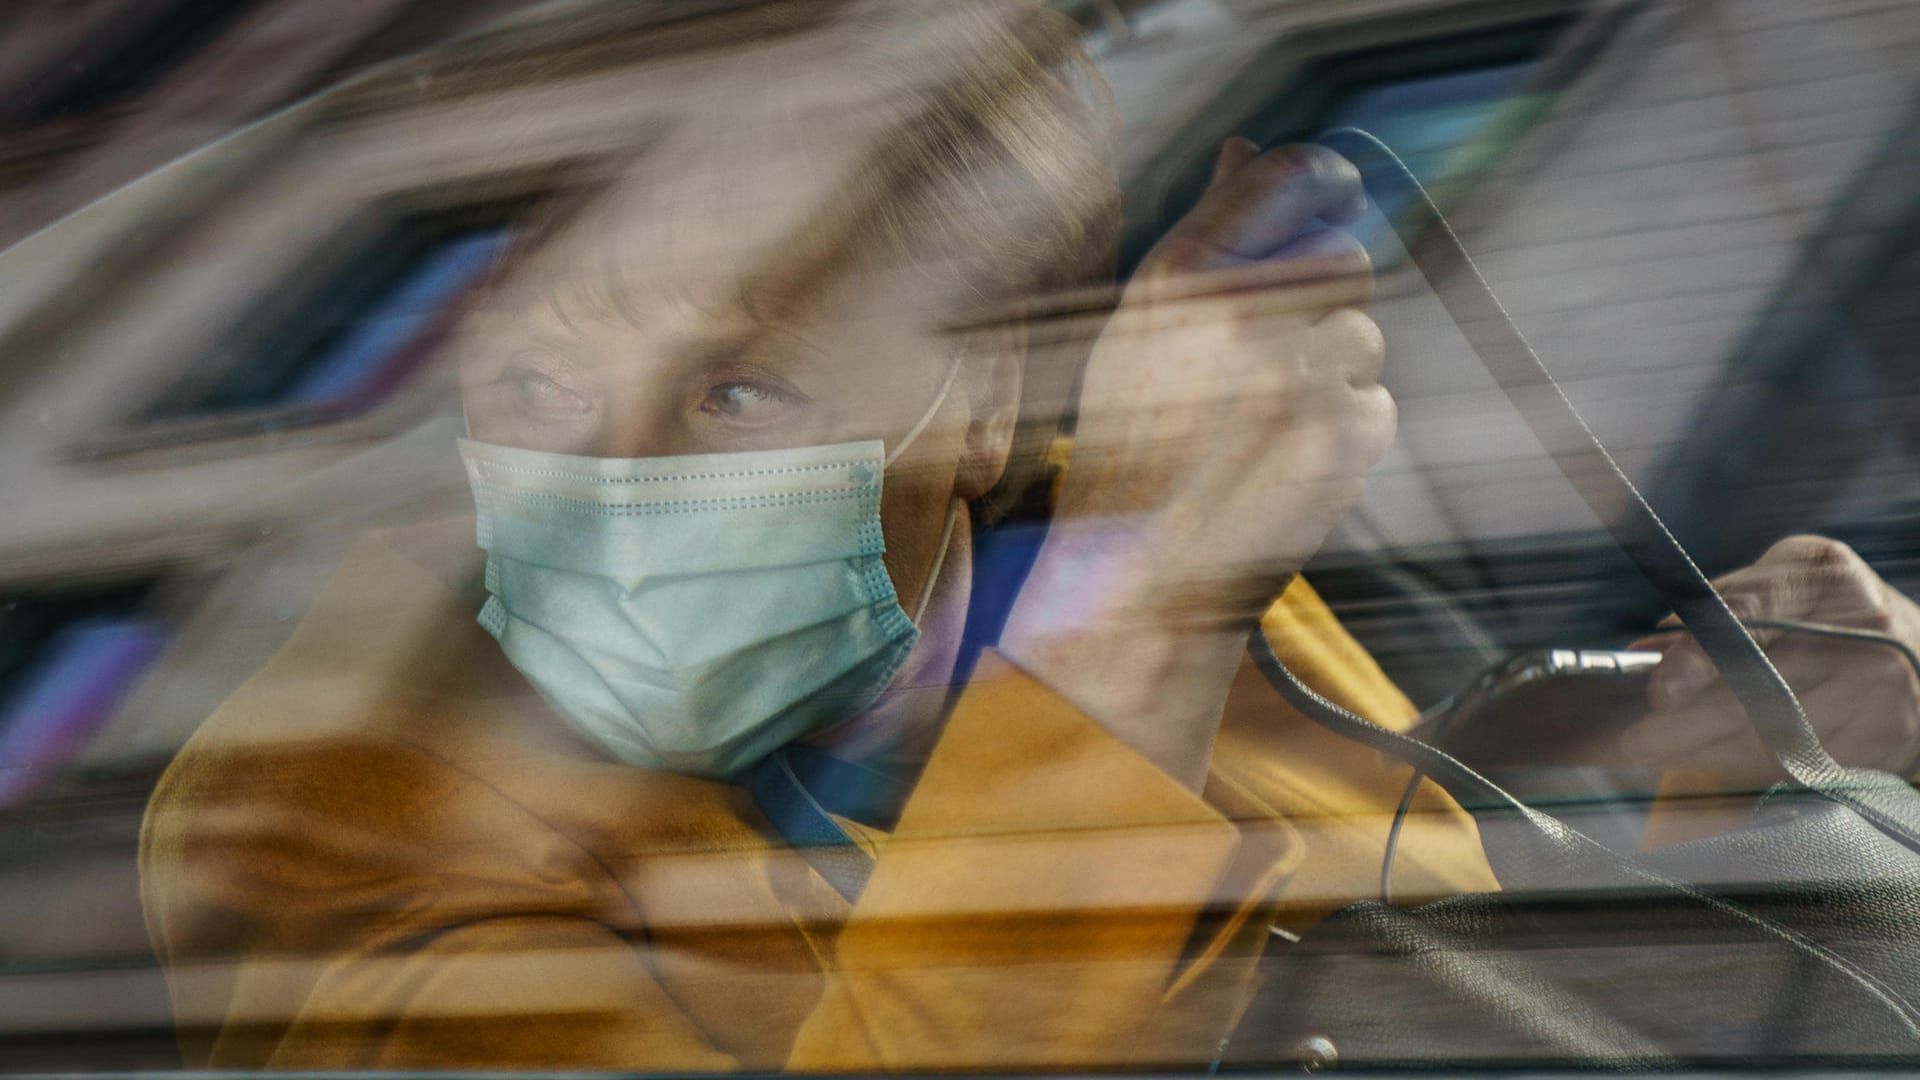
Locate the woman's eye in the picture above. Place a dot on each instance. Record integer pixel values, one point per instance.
(746, 401)
(545, 394)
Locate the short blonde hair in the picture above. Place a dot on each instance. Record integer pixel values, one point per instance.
(995, 163)
(1004, 168)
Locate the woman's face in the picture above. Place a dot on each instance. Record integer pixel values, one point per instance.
(668, 329)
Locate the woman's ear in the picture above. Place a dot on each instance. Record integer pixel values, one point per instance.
(995, 374)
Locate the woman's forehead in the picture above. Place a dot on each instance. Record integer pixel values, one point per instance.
(583, 317)
(715, 196)
(659, 288)
(765, 196)
(737, 227)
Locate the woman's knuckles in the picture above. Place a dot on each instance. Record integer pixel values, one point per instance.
(1382, 424)
(1355, 340)
(1819, 552)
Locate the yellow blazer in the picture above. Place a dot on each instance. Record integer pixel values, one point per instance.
(385, 852)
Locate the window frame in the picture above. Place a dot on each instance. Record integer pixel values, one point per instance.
(176, 576)
(90, 77)
(547, 190)
(1322, 63)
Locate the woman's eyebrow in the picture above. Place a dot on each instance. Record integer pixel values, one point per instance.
(747, 320)
(750, 327)
(534, 341)
(767, 344)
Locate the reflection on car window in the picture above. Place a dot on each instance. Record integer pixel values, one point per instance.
(1432, 120)
(355, 338)
(123, 57)
(768, 536)
(68, 657)
(1451, 104)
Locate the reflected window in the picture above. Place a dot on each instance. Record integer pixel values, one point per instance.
(343, 334)
(1429, 118)
(1449, 128)
(68, 658)
(136, 48)
(361, 333)
(1452, 106)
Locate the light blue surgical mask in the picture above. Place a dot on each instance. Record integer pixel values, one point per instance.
(696, 613)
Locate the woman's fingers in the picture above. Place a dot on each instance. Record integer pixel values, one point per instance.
(1672, 736)
(1807, 578)
(1858, 696)
(1803, 577)
(1739, 757)
(1256, 207)
(1712, 734)
(1355, 342)
(1232, 403)
(1684, 673)
(1234, 152)
(1314, 273)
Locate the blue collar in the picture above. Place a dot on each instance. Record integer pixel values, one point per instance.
(801, 788)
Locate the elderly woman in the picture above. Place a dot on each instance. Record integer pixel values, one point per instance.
(760, 753)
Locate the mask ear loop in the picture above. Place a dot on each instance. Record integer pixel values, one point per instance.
(939, 560)
(953, 510)
(920, 426)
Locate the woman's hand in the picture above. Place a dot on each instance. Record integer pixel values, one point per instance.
(1227, 418)
(1862, 697)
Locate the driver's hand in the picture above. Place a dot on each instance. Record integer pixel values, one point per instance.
(1863, 698)
(1228, 415)
(1233, 406)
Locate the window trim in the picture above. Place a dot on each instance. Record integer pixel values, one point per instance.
(545, 190)
(1297, 54)
(180, 574)
(114, 63)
